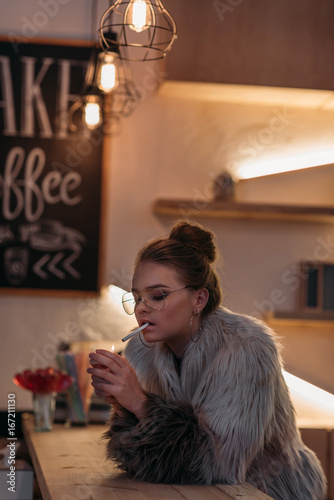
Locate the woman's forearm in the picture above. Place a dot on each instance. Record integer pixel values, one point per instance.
(168, 444)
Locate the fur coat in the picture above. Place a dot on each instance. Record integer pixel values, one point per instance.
(225, 417)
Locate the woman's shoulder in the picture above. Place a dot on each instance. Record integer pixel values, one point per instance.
(241, 328)
(244, 341)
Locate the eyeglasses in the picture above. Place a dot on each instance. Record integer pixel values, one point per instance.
(155, 299)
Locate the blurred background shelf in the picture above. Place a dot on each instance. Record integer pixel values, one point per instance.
(237, 210)
(299, 318)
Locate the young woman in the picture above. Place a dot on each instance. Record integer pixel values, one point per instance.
(199, 395)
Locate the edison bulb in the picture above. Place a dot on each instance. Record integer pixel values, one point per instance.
(108, 72)
(92, 112)
(139, 15)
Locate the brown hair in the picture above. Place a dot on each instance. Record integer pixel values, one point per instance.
(192, 251)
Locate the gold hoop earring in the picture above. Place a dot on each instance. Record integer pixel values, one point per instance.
(141, 340)
(191, 321)
(190, 325)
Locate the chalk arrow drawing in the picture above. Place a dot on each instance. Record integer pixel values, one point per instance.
(67, 265)
(40, 263)
(50, 264)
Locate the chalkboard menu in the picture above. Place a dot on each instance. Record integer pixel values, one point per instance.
(50, 175)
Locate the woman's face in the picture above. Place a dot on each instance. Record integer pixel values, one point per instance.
(172, 323)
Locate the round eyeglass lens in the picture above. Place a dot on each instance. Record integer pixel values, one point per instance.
(128, 302)
(155, 299)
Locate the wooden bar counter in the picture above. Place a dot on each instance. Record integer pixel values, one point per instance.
(70, 464)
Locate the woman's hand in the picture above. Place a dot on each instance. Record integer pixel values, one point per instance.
(119, 409)
(115, 381)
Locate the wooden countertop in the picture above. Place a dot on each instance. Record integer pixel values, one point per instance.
(70, 463)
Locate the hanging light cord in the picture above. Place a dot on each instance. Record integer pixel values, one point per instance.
(93, 20)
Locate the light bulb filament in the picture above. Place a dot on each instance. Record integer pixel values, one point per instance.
(92, 114)
(108, 77)
(139, 15)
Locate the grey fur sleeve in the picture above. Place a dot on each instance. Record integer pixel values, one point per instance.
(167, 446)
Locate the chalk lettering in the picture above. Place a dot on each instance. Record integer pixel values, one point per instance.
(34, 109)
(23, 194)
(33, 98)
(8, 97)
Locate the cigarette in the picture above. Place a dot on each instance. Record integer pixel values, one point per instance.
(137, 330)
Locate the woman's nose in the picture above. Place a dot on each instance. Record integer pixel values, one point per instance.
(142, 306)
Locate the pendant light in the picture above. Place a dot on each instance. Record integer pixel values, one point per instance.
(107, 67)
(92, 111)
(139, 15)
(145, 29)
(107, 71)
(92, 93)
(108, 93)
(114, 78)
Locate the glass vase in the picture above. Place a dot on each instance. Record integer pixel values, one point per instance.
(44, 408)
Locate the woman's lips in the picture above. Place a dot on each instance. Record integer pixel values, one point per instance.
(150, 325)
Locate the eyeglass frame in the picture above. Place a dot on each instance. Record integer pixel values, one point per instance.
(165, 294)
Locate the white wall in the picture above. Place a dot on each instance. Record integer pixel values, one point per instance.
(70, 19)
(172, 147)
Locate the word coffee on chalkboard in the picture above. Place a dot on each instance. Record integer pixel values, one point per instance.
(50, 175)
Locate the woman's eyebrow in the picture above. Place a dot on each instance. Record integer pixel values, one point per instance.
(159, 285)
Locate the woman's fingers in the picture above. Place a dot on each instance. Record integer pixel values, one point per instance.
(95, 364)
(95, 378)
(103, 387)
(113, 376)
(105, 375)
(111, 360)
(116, 358)
(105, 396)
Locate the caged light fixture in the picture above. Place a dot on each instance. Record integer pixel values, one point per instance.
(107, 71)
(107, 96)
(130, 30)
(145, 30)
(108, 93)
(111, 78)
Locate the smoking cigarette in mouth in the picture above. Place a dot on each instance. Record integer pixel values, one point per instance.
(137, 330)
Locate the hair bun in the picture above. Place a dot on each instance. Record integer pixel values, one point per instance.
(195, 236)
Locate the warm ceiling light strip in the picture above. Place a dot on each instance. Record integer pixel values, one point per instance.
(289, 164)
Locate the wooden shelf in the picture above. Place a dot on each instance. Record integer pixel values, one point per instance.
(237, 210)
(299, 318)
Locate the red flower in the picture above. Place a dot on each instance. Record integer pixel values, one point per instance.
(43, 380)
